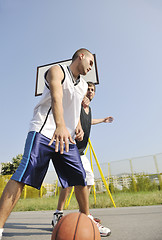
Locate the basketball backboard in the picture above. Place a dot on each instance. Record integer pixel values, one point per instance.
(92, 76)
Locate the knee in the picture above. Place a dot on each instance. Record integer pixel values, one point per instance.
(14, 184)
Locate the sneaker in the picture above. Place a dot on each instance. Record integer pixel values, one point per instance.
(96, 219)
(104, 231)
(1, 231)
(56, 217)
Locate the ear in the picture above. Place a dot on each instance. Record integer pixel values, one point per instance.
(81, 56)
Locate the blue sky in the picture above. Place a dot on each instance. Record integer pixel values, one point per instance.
(126, 37)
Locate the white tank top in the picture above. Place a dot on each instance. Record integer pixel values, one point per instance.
(43, 120)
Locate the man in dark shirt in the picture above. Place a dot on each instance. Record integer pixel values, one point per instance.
(86, 122)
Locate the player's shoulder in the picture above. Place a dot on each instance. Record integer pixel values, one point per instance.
(55, 68)
(55, 71)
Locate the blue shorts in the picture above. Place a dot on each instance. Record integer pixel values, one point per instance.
(36, 158)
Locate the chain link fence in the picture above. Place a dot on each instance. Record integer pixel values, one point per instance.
(127, 172)
(119, 175)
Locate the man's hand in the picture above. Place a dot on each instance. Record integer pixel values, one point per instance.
(85, 102)
(79, 132)
(108, 119)
(61, 135)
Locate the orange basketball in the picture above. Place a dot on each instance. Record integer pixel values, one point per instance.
(75, 226)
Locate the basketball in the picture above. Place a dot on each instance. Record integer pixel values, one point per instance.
(75, 226)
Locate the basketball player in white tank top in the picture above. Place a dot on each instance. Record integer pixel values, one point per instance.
(43, 121)
(82, 62)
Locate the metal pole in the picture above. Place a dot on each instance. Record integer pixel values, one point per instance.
(157, 170)
(102, 176)
(134, 183)
(94, 191)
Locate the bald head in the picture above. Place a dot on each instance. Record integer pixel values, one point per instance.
(80, 51)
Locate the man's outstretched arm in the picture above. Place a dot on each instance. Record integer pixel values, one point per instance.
(101, 120)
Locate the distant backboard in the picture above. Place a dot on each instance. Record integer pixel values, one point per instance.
(91, 76)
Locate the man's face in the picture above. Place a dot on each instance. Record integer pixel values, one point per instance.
(86, 63)
(90, 92)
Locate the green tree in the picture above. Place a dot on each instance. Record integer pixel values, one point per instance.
(144, 183)
(10, 167)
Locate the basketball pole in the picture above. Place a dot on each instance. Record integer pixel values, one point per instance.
(56, 187)
(101, 173)
(94, 191)
(68, 200)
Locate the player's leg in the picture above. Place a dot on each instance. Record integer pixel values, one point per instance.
(9, 198)
(89, 173)
(104, 231)
(62, 198)
(58, 214)
(14, 187)
(89, 177)
(81, 193)
(31, 171)
(70, 171)
(82, 197)
(89, 189)
(88, 170)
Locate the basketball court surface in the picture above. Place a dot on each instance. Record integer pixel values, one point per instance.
(142, 223)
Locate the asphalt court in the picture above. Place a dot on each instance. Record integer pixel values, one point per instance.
(132, 223)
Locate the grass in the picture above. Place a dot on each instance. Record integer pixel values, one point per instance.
(102, 201)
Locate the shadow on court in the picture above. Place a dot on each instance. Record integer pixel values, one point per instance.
(142, 223)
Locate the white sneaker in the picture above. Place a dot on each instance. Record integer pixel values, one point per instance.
(56, 217)
(104, 231)
(1, 231)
